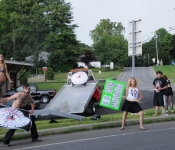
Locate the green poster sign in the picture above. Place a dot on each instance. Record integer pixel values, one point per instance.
(112, 94)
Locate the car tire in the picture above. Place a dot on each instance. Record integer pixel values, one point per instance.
(90, 110)
(45, 99)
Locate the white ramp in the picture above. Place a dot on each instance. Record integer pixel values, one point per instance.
(72, 99)
(57, 113)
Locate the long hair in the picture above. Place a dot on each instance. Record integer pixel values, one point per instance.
(2, 61)
(164, 76)
(129, 82)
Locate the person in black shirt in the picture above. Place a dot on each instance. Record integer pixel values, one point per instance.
(168, 95)
(159, 85)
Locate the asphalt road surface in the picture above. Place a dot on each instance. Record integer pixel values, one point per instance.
(144, 77)
(157, 136)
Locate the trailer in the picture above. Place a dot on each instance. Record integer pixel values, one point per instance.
(75, 97)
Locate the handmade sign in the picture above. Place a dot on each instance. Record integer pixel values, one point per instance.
(13, 118)
(112, 94)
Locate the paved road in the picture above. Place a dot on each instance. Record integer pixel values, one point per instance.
(145, 77)
(157, 136)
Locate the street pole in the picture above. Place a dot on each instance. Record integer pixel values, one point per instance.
(134, 41)
(157, 50)
(133, 49)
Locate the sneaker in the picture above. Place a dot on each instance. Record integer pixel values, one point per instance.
(172, 111)
(7, 145)
(36, 140)
(166, 113)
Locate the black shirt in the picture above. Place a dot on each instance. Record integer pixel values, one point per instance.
(168, 83)
(160, 83)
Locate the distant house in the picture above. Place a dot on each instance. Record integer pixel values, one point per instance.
(96, 64)
(42, 56)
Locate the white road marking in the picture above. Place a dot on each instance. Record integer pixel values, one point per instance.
(73, 141)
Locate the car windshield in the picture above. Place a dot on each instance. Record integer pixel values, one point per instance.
(19, 89)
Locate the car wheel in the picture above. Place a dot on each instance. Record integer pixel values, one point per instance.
(90, 110)
(44, 99)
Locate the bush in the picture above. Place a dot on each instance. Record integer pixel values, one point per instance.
(50, 74)
(24, 78)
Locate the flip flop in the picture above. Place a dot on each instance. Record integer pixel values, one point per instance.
(121, 128)
(142, 128)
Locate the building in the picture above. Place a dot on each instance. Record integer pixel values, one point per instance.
(42, 56)
(14, 68)
(96, 64)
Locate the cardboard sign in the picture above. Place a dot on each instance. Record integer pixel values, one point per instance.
(112, 94)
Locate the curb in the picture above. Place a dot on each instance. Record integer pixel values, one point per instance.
(96, 126)
(153, 71)
(115, 77)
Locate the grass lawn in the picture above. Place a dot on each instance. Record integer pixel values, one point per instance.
(57, 86)
(71, 122)
(61, 78)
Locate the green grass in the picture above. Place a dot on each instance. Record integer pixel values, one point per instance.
(61, 78)
(168, 70)
(57, 86)
(44, 124)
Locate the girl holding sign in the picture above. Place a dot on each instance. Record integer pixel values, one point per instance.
(132, 98)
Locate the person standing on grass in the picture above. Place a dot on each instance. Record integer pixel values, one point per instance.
(168, 95)
(132, 98)
(20, 101)
(159, 85)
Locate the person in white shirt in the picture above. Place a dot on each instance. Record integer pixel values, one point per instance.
(132, 98)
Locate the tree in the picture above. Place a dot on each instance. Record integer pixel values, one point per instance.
(164, 41)
(164, 46)
(109, 43)
(50, 74)
(32, 26)
(87, 57)
(172, 52)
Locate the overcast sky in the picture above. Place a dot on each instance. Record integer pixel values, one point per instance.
(155, 14)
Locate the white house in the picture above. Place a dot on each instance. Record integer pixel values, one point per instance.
(42, 56)
(96, 64)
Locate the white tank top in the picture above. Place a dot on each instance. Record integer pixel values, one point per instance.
(132, 94)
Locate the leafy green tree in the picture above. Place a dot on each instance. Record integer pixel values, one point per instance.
(109, 43)
(24, 78)
(164, 46)
(87, 57)
(172, 52)
(31, 26)
(50, 74)
(164, 41)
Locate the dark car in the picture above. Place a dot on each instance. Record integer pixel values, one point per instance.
(43, 95)
(28, 106)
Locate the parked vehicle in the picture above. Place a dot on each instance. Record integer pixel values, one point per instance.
(105, 66)
(28, 106)
(78, 95)
(43, 95)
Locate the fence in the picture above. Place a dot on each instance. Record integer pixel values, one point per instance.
(36, 78)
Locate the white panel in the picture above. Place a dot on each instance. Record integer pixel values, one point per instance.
(138, 38)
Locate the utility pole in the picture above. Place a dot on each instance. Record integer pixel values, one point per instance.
(158, 63)
(134, 42)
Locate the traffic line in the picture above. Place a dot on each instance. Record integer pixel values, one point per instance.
(88, 139)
